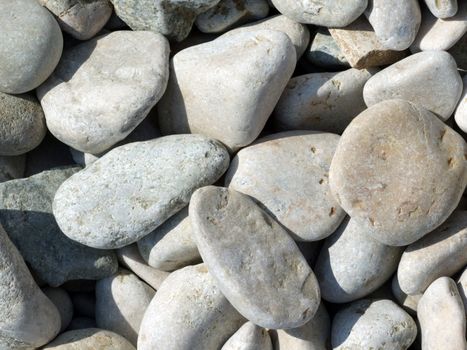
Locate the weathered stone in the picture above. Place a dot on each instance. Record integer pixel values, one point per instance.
(12, 167)
(461, 112)
(408, 302)
(324, 52)
(249, 337)
(442, 8)
(89, 339)
(62, 301)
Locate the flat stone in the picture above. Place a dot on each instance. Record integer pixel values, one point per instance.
(227, 101)
(361, 47)
(326, 13)
(171, 246)
(26, 215)
(398, 171)
(31, 47)
(134, 188)
(461, 111)
(28, 319)
(190, 305)
(249, 337)
(370, 265)
(121, 301)
(81, 19)
(287, 173)
(442, 316)
(322, 101)
(408, 302)
(12, 167)
(62, 301)
(99, 94)
(89, 339)
(367, 324)
(443, 8)
(395, 22)
(324, 52)
(171, 18)
(255, 263)
(440, 253)
(22, 126)
(462, 287)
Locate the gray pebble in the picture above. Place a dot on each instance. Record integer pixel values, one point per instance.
(89, 339)
(62, 301)
(324, 52)
(408, 302)
(12, 167)
(442, 8)
(249, 337)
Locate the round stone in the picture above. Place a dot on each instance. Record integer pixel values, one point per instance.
(89, 339)
(442, 8)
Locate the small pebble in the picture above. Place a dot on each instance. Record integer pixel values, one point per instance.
(249, 337)
(442, 8)
(324, 52)
(62, 301)
(89, 339)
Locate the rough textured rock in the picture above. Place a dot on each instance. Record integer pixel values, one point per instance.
(190, 305)
(99, 94)
(443, 8)
(398, 171)
(287, 173)
(429, 79)
(324, 52)
(408, 302)
(31, 47)
(249, 337)
(322, 101)
(62, 301)
(89, 339)
(12, 167)
(461, 111)
(213, 90)
(255, 263)
(26, 215)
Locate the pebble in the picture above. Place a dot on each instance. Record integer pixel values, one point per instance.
(89, 339)
(324, 52)
(322, 101)
(230, 13)
(443, 8)
(164, 173)
(462, 287)
(99, 94)
(398, 171)
(23, 306)
(372, 324)
(12, 167)
(62, 301)
(31, 47)
(461, 111)
(442, 252)
(190, 305)
(23, 124)
(442, 316)
(229, 102)
(361, 47)
(287, 173)
(121, 301)
(26, 215)
(408, 302)
(171, 246)
(255, 263)
(395, 22)
(372, 263)
(249, 337)
(81, 19)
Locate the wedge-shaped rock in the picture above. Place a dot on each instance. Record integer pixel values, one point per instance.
(249, 337)
(89, 339)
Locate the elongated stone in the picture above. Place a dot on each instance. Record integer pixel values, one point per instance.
(89, 339)
(442, 8)
(249, 337)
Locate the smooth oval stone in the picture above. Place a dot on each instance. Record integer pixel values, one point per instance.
(442, 317)
(372, 263)
(22, 125)
(461, 111)
(89, 339)
(31, 47)
(12, 167)
(170, 246)
(62, 301)
(322, 101)
(324, 52)
(367, 324)
(287, 173)
(408, 302)
(99, 94)
(442, 8)
(134, 188)
(28, 319)
(462, 287)
(249, 337)
(121, 301)
(326, 13)
(26, 215)
(190, 305)
(429, 79)
(214, 91)
(442, 252)
(398, 171)
(256, 264)
(396, 22)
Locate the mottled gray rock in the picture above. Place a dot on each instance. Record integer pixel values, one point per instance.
(429, 79)
(134, 188)
(81, 323)
(442, 252)
(408, 302)
(22, 125)
(255, 263)
(462, 287)
(352, 264)
(121, 301)
(31, 47)
(89, 339)
(442, 316)
(367, 324)
(12, 167)
(324, 52)
(214, 91)
(172, 18)
(81, 19)
(442, 8)
(190, 306)
(26, 215)
(461, 111)
(28, 319)
(170, 246)
(99, 94)
(249, 337)
(398, 171)
(84, 303)
(322, 101)
(62, 301)
(287, 173)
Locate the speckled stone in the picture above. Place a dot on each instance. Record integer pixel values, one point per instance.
(443, 8)
(408, 302)
(62, 301)
(398, 171)
(249, 337)
(12, 167)
(461, 111)
(89, 339)
(324, 52)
